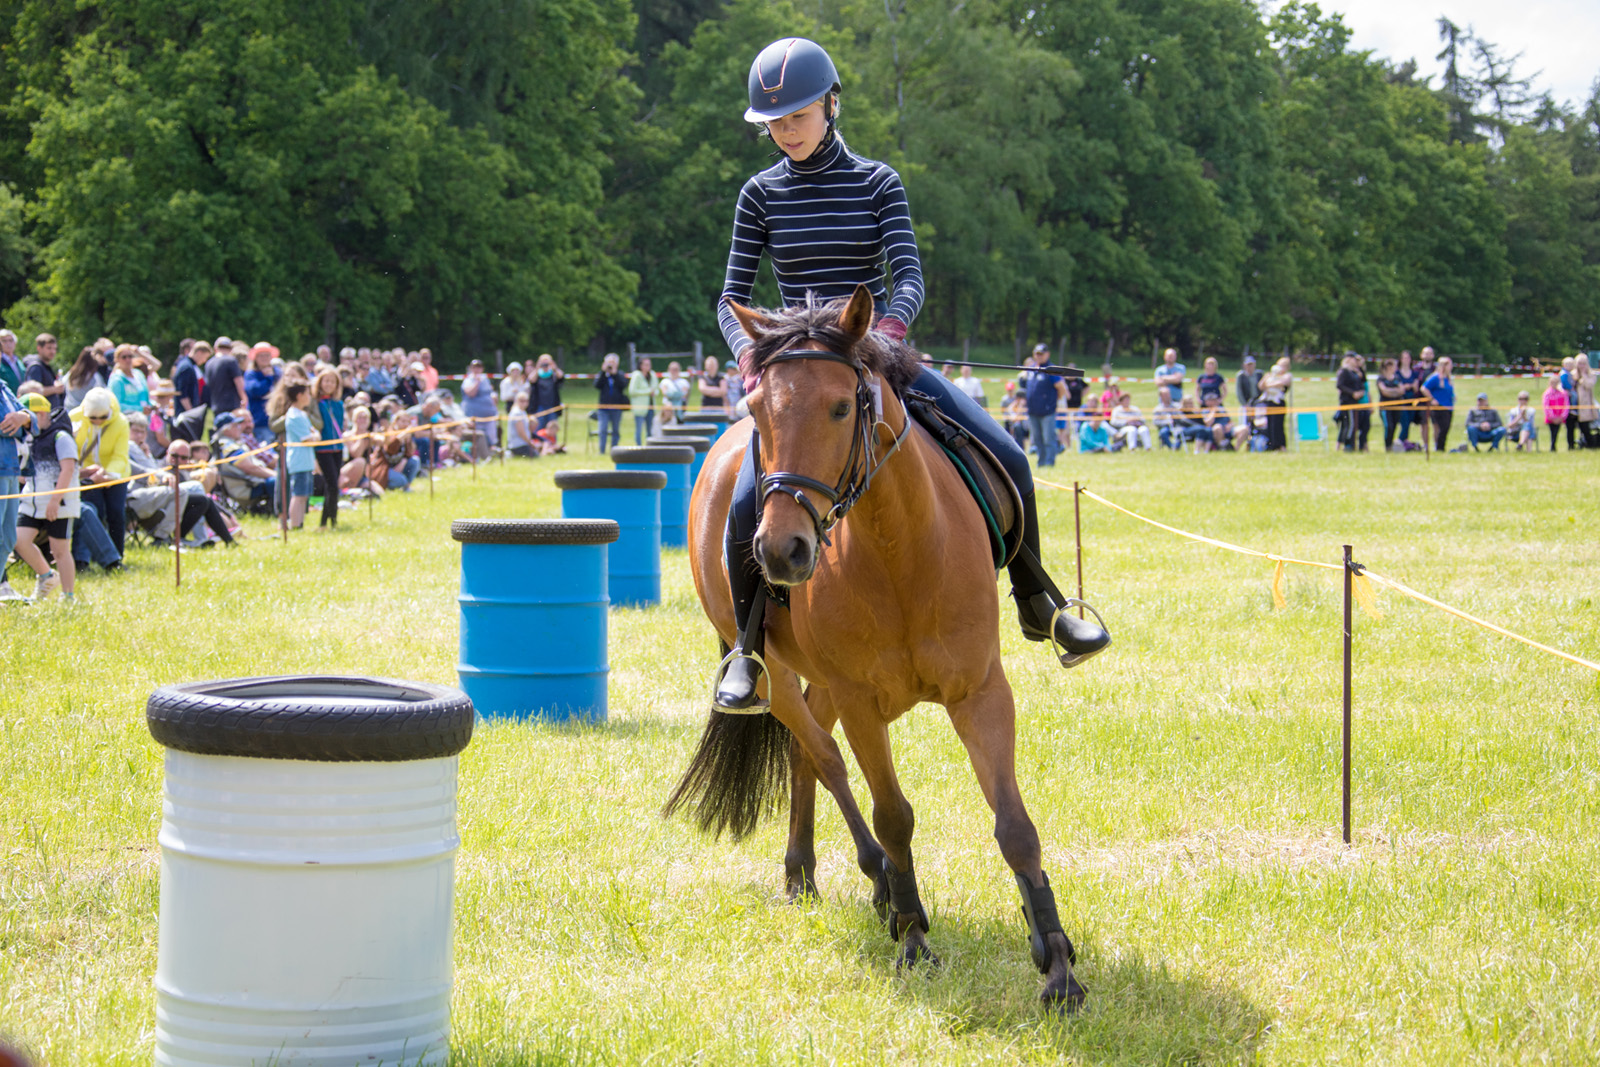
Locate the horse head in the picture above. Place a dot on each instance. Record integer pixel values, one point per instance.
(814, 415)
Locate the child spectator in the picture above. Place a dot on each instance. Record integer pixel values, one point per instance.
(55, 475)
(1093, 435)
(330, 453)
(17, 421)
(299, 462)
(519, 432)
(1555, 409)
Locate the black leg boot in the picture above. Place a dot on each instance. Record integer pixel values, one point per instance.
(736, 689)
(1042, 608)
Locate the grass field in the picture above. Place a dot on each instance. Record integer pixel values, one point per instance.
(1185, 785)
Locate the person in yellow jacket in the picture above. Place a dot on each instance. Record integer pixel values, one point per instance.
(102, 435)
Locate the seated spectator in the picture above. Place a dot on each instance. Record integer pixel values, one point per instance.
(1127, 425)
(243, 477)
(400, 458)
(102, 437)
(359, 449)
(1483, 424)
(519, 431)
(1014, 412)
(411, 386)
(1223, 433)
(1093, 435)
(1191, 427)
(1554, 403)
(1162, 415)
(198, 506)
(204, 473)
(1521, 424)
(53, 507)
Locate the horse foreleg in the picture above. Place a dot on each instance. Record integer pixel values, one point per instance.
(895, 822)
(986, 724)
(800, 856)
(810, 718)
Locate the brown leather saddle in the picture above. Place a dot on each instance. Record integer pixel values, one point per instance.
(991, 487)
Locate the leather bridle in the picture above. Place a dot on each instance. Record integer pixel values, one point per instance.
(859, 468)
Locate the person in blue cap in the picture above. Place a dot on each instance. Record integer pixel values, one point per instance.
(830, 220)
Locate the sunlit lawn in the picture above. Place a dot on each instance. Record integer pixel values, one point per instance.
(1185, 785)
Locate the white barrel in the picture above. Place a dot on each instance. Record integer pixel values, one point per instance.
(306, 900)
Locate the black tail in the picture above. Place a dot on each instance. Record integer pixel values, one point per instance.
(737, 775)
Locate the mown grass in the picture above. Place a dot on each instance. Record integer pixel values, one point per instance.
(1185, 785)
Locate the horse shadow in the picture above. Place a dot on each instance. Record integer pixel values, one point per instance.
(1138, 1011)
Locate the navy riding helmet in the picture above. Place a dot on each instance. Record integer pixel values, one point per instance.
(788, 75)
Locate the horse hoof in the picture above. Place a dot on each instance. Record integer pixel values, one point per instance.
(911, 955)
(801, 889)
(1068, 999)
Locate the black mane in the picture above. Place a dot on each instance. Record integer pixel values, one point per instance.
(895, 363)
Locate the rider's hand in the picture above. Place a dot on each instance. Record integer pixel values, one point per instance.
(892, 327)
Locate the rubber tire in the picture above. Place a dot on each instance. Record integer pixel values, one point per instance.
(710, 415)
(611, 479)
(535, 531)
(689, 429)
(393, 720)
(699, 444)
(658, 454)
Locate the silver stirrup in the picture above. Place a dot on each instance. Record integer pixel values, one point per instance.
(760, 707)
(1073, 602)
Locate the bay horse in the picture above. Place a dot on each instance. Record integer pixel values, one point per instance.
(895, 605)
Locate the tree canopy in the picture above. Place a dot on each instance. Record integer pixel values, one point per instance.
(513, 173)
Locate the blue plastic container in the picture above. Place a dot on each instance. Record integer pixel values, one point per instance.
(674, 461)
(631, 499)
(701, 424)
(533, 616)
(701, 446)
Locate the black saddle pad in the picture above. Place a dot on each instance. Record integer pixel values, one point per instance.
(985, 478)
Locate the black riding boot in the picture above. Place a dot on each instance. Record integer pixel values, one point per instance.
(736, 689)
(1041, 607)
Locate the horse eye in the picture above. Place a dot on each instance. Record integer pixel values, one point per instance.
(841, 411)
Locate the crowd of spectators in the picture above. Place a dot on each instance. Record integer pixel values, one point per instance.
(1049, 410)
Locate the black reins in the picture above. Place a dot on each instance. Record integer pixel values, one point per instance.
(856, 478)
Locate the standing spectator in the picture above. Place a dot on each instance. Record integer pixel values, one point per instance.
(513, 383)
(1391, 397)
(430, 374)
(1483, 424)
(411, 387)
(1411, 389)
(37, 368)
(1355, 420)
(328, 390)
(519, 432)
(102, 443)
(1076, 385)
(298, 460)
(259, 381)
(82, 376)
(1171, 373)
(972, 387)
(713, 386)
(612, 386)
(16, 423)
(224, 380)
(1555, 406)
(1440, 393)
(643, 385)
(188, 376)
(1521, 424)
(1275, 386)
(1044, 392)
(477, 403)
(127, 383)
(10, 366)
(1211, 382)
(733, 382)
(544, 392)
(1583, 402)
(674, 393)
(1127, 425)
(1247, 383)
(55, 474)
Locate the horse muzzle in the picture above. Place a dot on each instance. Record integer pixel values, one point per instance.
(786, 559)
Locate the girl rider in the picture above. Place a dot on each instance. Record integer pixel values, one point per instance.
(830, 220)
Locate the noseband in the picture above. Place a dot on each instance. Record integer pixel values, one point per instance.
(859, 469)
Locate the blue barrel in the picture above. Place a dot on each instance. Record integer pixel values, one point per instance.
(533, 616)
(701, 446)
(710, 422)
(674, 461)
(631, 499)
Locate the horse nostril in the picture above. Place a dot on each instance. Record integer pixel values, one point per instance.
(800, 555)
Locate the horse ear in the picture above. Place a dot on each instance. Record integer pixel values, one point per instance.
(753, 322)
(856, 318)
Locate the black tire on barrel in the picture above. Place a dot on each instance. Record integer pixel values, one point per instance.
(657, 454)
(534, 531)
(611, 479)
(324, 718)
(699, 444)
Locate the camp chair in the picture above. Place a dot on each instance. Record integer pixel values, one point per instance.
(1308, 426)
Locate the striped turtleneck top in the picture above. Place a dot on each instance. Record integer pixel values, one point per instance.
(829, 223)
